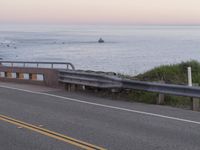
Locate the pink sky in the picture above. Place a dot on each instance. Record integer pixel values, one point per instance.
(100, 11)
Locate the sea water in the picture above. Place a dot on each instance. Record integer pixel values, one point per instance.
(127, 49)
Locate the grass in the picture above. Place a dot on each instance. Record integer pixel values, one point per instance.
(171, 74)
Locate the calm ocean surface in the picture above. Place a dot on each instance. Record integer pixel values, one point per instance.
(127, 49)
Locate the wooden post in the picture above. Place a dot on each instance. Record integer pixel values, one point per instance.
(70, 87)
(83, 87)
(73, 87)
(195, 104)
(161, 97)
(195, 101)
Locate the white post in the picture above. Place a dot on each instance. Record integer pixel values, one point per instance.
(189, 76)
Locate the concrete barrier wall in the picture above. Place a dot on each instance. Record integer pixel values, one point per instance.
(42, 76)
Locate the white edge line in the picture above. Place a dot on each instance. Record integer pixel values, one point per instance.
(105, 106)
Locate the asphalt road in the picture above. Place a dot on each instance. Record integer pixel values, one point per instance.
(110, 124)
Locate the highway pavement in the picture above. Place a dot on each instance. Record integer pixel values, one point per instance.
(40, 118)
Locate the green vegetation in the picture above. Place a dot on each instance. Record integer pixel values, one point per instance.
(172, 74)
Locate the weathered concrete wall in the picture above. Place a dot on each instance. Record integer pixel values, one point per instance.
(50, 76)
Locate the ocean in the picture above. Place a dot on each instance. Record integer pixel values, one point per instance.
(127, 49)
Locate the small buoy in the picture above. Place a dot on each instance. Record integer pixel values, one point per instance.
(101, 40)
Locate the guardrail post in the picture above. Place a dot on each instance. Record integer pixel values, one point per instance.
(115, 90)
(83, 87)
(195, 102)
(67, 87)
(70, 87)
(73, 87)
(161, 97)
(80, 87)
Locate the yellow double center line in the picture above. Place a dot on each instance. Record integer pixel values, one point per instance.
(51, 134)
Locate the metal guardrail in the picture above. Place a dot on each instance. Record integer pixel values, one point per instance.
(106, 81)
(180, 90)
(38, 64)
(88, 79)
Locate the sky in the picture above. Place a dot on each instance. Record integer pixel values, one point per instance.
(139, 12)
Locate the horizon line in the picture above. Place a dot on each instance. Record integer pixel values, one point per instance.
(99, 24)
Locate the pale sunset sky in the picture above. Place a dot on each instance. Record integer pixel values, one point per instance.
(158, 12)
